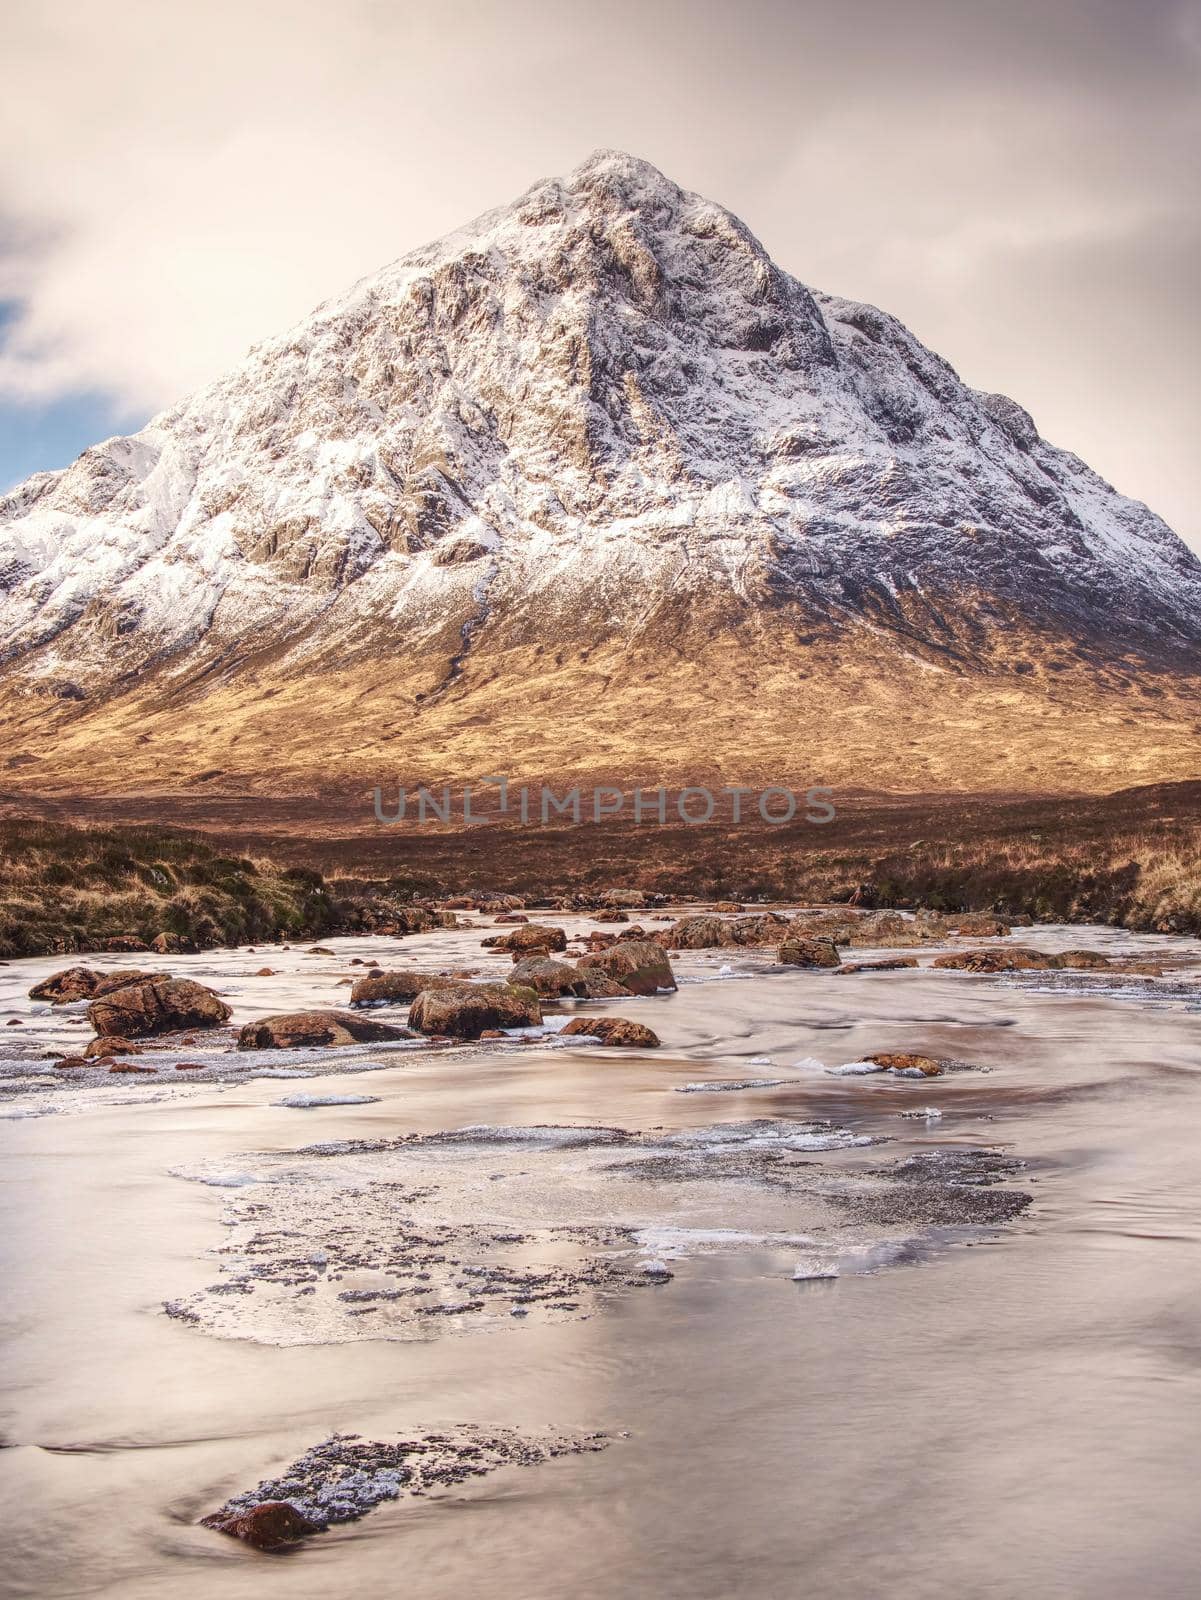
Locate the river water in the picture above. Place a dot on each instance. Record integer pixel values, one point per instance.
(982, 1399)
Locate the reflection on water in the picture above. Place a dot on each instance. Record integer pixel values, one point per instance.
(993, 1410)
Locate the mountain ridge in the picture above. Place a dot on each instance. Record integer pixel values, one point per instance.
(598, 450)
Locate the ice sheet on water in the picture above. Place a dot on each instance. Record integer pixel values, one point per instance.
(761, 1133)
(227, 1179)
(670, 1243)
(728, 1085)
(813, 1269)
(306, 1102)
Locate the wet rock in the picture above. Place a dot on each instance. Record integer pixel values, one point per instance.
(639, 965)
(125, 943)
(890, 964)
(611, 914)
(547, 978)
(189, 1066)
(111, 1045)
(166, 1005)
(1018, 959)
(464, 1010)
(978, 924)
(612, 1031)
(270, 1525)
(167, 944)
(532, 937)
(130, 1066)
(707, 932)
(514, 917)
(72, 1061)
(82, 983)
(299, 1030)
(599, 985)
(394, 988)
(1081, 960)
(808, 953)
(910, 1065)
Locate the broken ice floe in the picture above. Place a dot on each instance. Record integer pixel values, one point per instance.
(345, 1476)
(307, 1102)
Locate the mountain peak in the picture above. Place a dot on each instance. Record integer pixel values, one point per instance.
(600, 418)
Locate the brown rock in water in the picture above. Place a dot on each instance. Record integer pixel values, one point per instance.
(394, 988)
(549, 978)
(465, 1010)
(1018, 959)
(639, 965)
(265, 972)
(318, 950)
(708, 932)
(73, 1061)
(1081, 960)
(611, 915)
(125, 943)
(299, 1030)
(110, 1045)
(532, 937)
(167, 944)
(890, 964)
(978, 924)
(612, 1031)
(512, 916)
(727, 906)
(130, 1066)
(167, 1005)
(808, 953)
(269, 1526)
(189, 1066)
(911, 1065)
(83, 983)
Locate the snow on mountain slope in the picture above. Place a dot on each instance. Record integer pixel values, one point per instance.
(601, 393)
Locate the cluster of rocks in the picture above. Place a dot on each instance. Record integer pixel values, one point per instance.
(445, 1006)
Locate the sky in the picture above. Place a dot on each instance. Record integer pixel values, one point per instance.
(1017, 180)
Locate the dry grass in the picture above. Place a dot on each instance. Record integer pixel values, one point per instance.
(65, 888)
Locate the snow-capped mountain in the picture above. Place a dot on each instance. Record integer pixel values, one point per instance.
(597, 423)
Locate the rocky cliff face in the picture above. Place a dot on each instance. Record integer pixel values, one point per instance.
(595, 448)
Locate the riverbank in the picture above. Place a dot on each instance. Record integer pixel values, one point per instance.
(810, 1310)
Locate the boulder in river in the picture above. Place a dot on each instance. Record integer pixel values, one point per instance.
(797, 952)
(1019, 958)
(548, 978)
(160, 1005)
(639, 965)
(534, 936)
(84, 983)
(707, 932)
(911, 1065)
(110, 1045)
(889, 964)
(302, 1030)
(269, 1526)
(394, 988)
(465, 1010)
(612, 1030)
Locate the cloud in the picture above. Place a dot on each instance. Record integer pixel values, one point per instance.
(180, 181)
